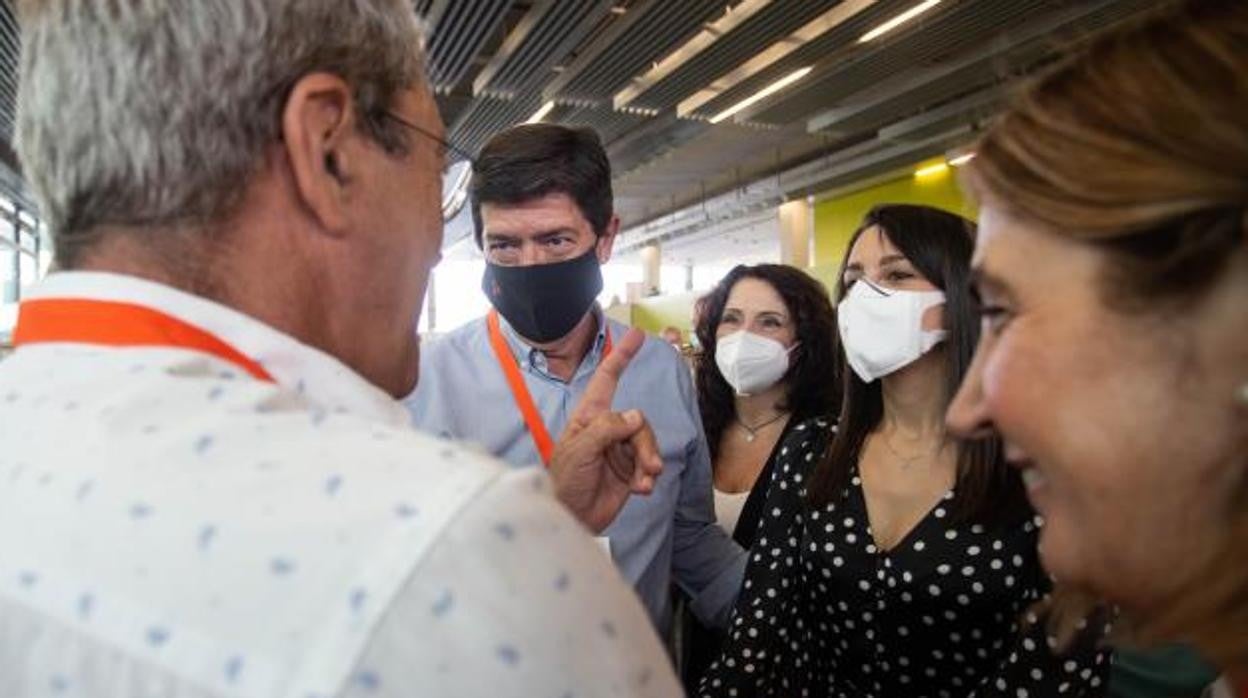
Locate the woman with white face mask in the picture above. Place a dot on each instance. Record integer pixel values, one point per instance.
(768, 332)
(892, 560)
(768, 335)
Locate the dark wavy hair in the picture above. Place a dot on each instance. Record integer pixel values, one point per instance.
(529, 161)
(811, 380)
(939, 244)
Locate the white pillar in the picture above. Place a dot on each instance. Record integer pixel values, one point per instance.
(651, 262)
(797, 230)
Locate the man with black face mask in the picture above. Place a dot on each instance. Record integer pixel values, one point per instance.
(542, 206)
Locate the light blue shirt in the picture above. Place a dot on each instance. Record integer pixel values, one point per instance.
(463, 394)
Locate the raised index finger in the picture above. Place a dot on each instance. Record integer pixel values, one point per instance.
(601, 389)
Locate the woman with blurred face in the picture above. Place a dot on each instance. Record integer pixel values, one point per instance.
(1112, 268)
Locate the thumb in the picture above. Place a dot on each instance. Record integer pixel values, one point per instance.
(613, 427)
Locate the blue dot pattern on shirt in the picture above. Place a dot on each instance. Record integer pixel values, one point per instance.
(333, 484)
(443, 605)
(235, 561)
(508, 654)
(405, 511)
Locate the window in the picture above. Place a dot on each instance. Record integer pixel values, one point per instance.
(8, 291)
(29, 269)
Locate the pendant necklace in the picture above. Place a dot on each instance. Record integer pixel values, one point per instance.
(751, 432)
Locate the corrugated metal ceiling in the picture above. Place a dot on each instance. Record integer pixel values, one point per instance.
(772, 24)
(459, 32)
(653, 31)
(494, 62)
(9, 52)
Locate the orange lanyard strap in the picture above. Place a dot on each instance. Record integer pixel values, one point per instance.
(114, 324)
(520, 391)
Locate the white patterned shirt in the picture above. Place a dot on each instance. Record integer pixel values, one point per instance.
(170, 526)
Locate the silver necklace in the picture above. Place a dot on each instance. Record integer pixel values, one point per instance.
(751, 433)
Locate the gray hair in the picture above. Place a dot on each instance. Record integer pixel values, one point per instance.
(156, 112)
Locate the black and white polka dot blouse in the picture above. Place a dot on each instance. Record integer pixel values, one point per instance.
(825, 613)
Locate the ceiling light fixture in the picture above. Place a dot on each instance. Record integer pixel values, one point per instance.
(898, 20)
(812, 30)
(932, 170)
(762, 94)
(962, 159)
(703, 40)
(541, 113)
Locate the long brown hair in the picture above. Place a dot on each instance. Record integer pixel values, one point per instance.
(1139, 144)
(939, 244)
(810, 380)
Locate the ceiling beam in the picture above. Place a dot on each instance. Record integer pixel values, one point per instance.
(511, 44)
(711, 32)
(593, 52)
(776, 51)
(1038, 32)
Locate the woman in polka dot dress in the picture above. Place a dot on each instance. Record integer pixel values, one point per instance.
(891, 560)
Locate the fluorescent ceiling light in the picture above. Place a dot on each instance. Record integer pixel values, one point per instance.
(898, 20)
(712, 32)
(762, 94)
(932, 170)
(817, 27)
(962, 159)
(541, 113)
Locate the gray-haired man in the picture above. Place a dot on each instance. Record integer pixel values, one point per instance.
(206, 487)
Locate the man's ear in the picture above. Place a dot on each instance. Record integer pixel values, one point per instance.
(317, 122)
(606, 241)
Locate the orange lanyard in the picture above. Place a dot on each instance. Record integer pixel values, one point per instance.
(520, 391)
(115, 324)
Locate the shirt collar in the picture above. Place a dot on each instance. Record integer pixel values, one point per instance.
(534, 358)
(317, 376)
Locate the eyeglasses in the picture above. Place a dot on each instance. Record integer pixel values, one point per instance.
(452, 200)
(450, 154)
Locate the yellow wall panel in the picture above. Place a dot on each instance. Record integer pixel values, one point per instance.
(653, 314)
(837, 219)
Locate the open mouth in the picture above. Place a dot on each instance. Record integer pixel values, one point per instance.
(1033, 479)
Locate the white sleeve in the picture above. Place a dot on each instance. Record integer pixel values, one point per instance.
(515, 599)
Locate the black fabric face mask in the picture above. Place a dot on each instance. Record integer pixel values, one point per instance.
(543, 302)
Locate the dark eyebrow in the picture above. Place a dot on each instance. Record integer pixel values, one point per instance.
(884, 261)
(547, 234)
(539, 237)
(499, 237)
